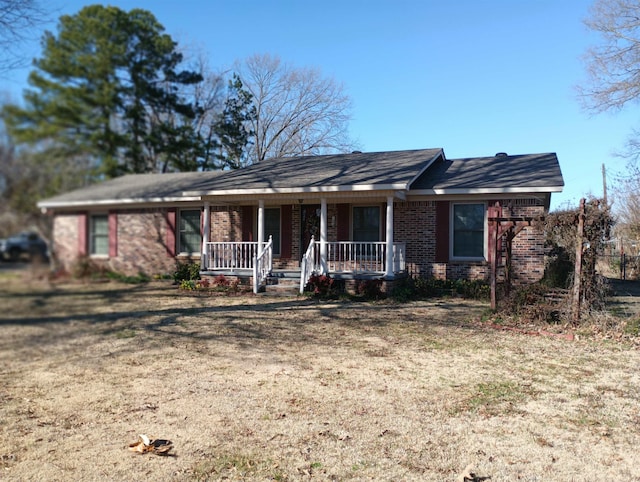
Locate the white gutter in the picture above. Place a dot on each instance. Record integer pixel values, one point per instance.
(105, 202)
(486, 190)
(301, 190)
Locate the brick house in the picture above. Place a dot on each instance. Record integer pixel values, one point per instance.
(359, 215)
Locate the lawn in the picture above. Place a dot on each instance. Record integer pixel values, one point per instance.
(258, 388)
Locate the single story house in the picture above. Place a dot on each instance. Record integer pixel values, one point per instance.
(357, 215)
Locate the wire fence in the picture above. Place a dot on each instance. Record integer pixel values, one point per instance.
(619, 266)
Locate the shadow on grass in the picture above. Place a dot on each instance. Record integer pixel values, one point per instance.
(62, 313)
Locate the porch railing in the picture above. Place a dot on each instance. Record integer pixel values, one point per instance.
(262, 265)
(308, 264)
(359, 257)
(229, 255)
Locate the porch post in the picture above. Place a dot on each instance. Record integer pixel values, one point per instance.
(206, 228)
(323, 234)
(260, 224)
(389, 259)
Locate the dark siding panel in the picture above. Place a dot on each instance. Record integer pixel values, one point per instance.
(171, 232)
(343, 221)
(247, 223)
(442, 231)
(82, 234)
(113, 234)
(286, 230)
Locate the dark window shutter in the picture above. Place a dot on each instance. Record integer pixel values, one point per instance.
(171, 232)
(442, 231)
(286, 230)
(113, 234)
(247, 223)
(82, 234)
(343, 221)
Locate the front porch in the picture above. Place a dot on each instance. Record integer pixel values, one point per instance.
(340, 259)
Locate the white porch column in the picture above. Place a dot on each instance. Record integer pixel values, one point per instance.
(389, 261)
(260, 224)
(323, 234)
(206, 229)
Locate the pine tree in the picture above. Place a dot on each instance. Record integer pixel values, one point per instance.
(107, 88)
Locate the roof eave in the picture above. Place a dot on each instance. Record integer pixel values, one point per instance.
(111, 202)
(486, 190)
(301, 189)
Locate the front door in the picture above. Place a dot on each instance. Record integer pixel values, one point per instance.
(309, 224)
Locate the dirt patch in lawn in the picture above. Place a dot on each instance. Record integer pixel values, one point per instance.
(255, 388)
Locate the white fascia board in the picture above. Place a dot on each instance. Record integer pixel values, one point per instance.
(299, 190)
(112, 202)
(426, 166)
(487, 190)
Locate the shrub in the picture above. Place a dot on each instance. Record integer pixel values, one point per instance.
(186, 271)
(370, 289)
(137, 279)
(84, 267)
(432, 287)
(322, 286)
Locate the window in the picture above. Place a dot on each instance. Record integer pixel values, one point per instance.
(272, 227)
(99, 235)
(366, 223)
(468, 230)
(190, 240)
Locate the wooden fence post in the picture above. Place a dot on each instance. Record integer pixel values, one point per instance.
(577, 276)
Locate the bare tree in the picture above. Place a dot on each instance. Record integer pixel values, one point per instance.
(18, 19)
(613, 67)
(297, 111)
(627, 203)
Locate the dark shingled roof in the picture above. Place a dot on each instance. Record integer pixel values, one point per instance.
(135, 188)
(422, 171)
(527, 171)
(381, 169)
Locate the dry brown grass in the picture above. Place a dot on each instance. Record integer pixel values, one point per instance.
(256, 388)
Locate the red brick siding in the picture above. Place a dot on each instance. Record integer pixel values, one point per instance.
(142, 239)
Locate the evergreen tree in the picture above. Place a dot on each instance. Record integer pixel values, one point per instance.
(107, 87)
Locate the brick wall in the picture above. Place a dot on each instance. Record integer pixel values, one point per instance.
(414, 224)
(142, 239)
(141, 243)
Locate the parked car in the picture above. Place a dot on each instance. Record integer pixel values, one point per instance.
(26, 245)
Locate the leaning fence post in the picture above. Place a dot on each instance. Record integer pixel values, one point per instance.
(577, 276)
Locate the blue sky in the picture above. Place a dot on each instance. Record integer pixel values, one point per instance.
(473, 77)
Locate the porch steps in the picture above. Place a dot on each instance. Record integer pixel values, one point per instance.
(283, 283)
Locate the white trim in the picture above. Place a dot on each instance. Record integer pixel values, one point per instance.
(178, 241)
(486, 190)
(293, 190)
(485, 231)
(116, 202)
(91, 236)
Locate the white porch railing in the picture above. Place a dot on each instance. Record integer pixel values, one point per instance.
(262, 265)
(363, 257)
(308, 264)
(229, 255)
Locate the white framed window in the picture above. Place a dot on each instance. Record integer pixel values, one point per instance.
(190, 236)
(99, 235)
(366, 223)
(468, 231)
(272, 228)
